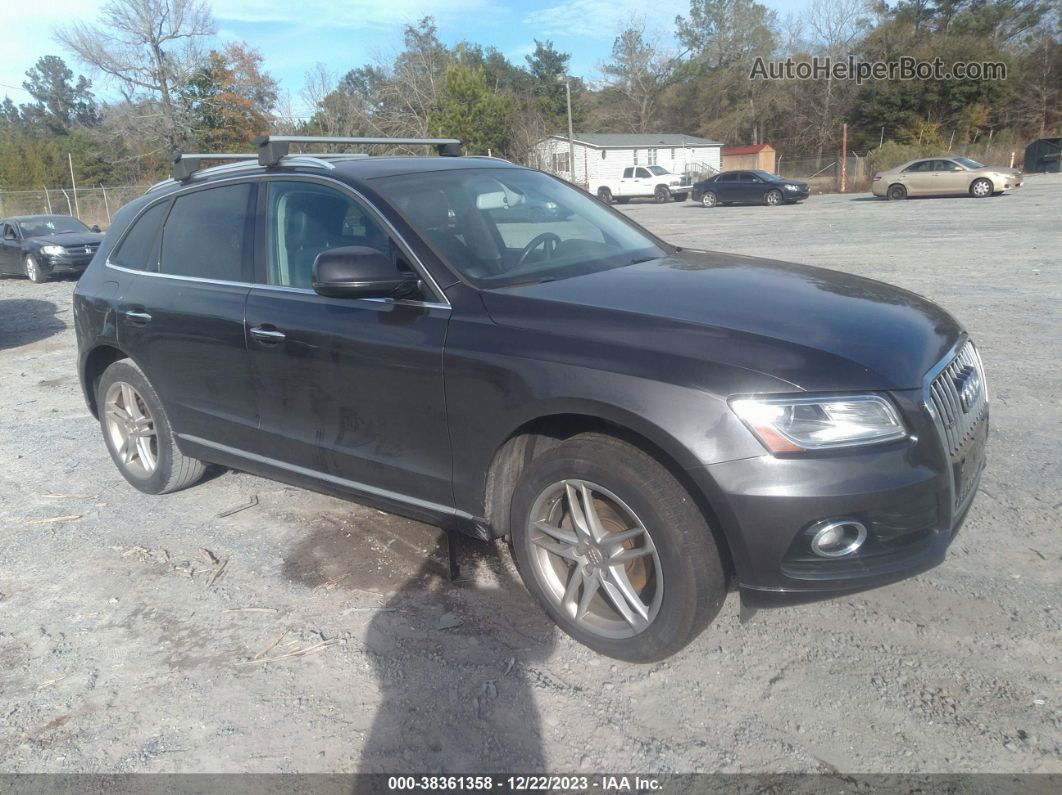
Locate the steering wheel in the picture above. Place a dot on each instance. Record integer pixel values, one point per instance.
(547, 240)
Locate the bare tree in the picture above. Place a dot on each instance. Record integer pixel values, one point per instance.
(149, 48)
(638, 72)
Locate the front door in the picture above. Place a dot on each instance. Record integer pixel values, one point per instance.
(351, 390)
(950, 177)
(181, 318)
(10, 249)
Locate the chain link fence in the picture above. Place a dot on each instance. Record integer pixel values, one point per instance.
(92, 205)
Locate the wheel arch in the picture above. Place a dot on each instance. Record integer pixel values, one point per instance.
(95, 362)
(535, 436)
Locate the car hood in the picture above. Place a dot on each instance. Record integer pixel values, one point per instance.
(66, 239)
(816, 329)
(1013, 172)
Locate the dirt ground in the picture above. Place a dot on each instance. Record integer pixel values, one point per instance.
(303, 633)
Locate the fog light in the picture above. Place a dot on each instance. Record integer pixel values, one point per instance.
(835, 538)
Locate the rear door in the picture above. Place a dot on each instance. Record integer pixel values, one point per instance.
(181, 318)
(726, 187)
(920, 178)
(351, 390)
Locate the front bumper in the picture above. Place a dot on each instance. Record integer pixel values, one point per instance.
(64, 263)
(904, 493)
(796, 195)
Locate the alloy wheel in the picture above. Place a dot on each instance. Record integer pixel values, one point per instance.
(709, 199)
(773, 198)
(33, 270)
(595, 559)
(131, 429)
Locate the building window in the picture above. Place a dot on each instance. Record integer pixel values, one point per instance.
(635, 157)
(652, 157)
(560, 162)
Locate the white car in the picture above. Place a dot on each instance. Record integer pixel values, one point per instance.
(643, 181)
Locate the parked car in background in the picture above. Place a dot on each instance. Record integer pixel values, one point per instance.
(648, 425)
(945, 176)
(645, 182)
(749, 187)
(41, 246)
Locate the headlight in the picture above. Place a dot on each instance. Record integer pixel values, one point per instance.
(794, 424)
(52, 251)
(790, 187)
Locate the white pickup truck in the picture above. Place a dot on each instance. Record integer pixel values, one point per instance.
(643, 181)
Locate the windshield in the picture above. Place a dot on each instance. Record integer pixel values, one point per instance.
(658, 170)
(51, 225)
(968, 162)
(506, 226)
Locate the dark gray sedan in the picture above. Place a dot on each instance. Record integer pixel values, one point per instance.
(42, 246)
(749, 187)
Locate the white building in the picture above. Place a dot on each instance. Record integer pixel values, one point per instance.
(603, 156)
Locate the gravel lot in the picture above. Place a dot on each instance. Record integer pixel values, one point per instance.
(148, 634)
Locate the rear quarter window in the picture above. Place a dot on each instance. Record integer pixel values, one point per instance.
(207, 233)
(139, 248)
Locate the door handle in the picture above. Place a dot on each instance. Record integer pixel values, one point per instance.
(138, 317)
(268, 334)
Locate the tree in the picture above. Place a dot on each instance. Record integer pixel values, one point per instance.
(60, 102)
(230, 98)
(467, 109)
(549, 69)
(637, 74)
(150, 48)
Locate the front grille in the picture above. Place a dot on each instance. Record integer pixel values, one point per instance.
(959, 397)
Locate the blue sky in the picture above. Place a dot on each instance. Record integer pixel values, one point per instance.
(294, 35)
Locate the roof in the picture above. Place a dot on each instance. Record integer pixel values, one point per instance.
(751, 149)
(632, 140)
(355, 167)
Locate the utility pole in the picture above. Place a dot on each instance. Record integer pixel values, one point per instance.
(571, 134)
(73, 184)
(844, 155)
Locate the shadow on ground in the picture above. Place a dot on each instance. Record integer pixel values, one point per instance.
(455, 662)
(24, 321)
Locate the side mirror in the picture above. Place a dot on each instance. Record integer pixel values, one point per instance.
(359, 272)
(96, 228)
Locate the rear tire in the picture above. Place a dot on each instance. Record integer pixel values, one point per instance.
(605, 195)
(896, 193)
(33, 270)
(138, 434)
(672, 567)
(981, 188)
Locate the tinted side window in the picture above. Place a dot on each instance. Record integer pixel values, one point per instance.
(140, 248)
(727, 178)
(206, 234)
(628, 173)
(642, 173)
(305, 219)
(945, 165)
(921, 165)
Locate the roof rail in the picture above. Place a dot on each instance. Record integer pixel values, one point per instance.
(186, 165)
(271, 148)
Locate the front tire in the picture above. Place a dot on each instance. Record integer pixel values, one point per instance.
(709, 199)
(33, 270)
(981, 188)
(138, 434)
(662, 194)
(615, 549)
(605, 195)
(773, 198)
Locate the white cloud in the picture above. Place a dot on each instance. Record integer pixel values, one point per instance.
(354, 14)
(602, 19)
